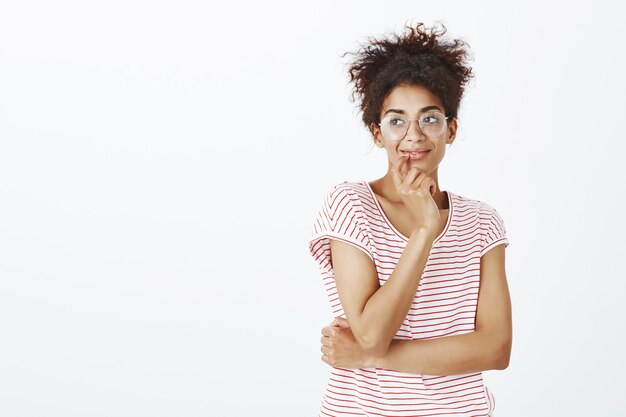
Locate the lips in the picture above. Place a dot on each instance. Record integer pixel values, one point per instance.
(415, 155)
(414, 150)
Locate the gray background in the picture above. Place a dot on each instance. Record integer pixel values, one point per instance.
(161, 164)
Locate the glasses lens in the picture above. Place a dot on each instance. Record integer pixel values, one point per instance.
(393, 127)
(433, 124)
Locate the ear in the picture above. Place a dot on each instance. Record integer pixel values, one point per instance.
(376, 135)
(452, 126)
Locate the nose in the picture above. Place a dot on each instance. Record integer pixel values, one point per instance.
(414, 131)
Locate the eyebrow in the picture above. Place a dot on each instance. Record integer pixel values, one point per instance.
(423, 110)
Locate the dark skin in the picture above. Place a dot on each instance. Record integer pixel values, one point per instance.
(489, 346)
(411, 99)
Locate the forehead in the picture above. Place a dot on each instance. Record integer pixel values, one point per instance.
(411, 98)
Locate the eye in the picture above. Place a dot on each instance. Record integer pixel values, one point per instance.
(431, 119)
(396, 121)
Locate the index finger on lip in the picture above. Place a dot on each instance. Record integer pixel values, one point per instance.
(396, 172)
(402, 161)
(404, 166)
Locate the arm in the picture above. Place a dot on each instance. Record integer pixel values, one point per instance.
(375, 312)
(488, 347)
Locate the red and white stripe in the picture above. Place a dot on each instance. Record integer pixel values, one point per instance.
(444, 304)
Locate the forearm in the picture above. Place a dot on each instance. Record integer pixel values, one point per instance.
(449, 355)
(387, 308)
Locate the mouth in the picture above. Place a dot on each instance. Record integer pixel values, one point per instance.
(415, 155)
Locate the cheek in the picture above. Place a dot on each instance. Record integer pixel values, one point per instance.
(440, 154)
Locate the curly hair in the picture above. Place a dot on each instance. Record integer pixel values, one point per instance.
(419, 56)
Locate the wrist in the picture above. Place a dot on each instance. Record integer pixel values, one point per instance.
(424, 234)
(373, 361)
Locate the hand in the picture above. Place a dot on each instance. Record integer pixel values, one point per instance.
(339, 347)
(416, 190)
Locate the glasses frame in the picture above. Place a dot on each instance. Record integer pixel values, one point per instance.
(409, 120)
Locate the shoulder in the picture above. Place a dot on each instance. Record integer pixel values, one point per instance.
(480, 212)
(480, 207)
(490, 214)
(349, 186)
(355, 191)
(349, 201)
(466, 207)
(490, 220)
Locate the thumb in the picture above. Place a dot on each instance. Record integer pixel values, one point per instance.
(341, 322)
(432, 186)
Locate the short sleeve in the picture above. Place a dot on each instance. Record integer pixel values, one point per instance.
(494, 230)
(340, 217)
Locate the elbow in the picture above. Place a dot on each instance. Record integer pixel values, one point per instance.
(502, 355)
(374, 346)
(373, 343)
(378, 350)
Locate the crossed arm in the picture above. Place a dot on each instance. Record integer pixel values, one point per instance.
(487, 347)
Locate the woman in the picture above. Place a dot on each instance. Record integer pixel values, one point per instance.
(415, 275)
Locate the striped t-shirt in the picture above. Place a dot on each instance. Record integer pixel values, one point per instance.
(444, 305)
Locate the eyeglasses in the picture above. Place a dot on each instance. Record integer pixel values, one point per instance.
(431, 124)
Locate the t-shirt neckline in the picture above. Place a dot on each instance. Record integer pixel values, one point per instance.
(392, 227)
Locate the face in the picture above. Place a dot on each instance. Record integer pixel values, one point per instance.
(410, 101)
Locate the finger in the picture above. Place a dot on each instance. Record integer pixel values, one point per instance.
(326, 331)
(412, 175)
(418, 182)
(432, 187)
(396, 177)
(341, 322)
(426, 184)
(401, 160)
(402, 165)
(396, 174)
(326, 357)
(407, 166)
